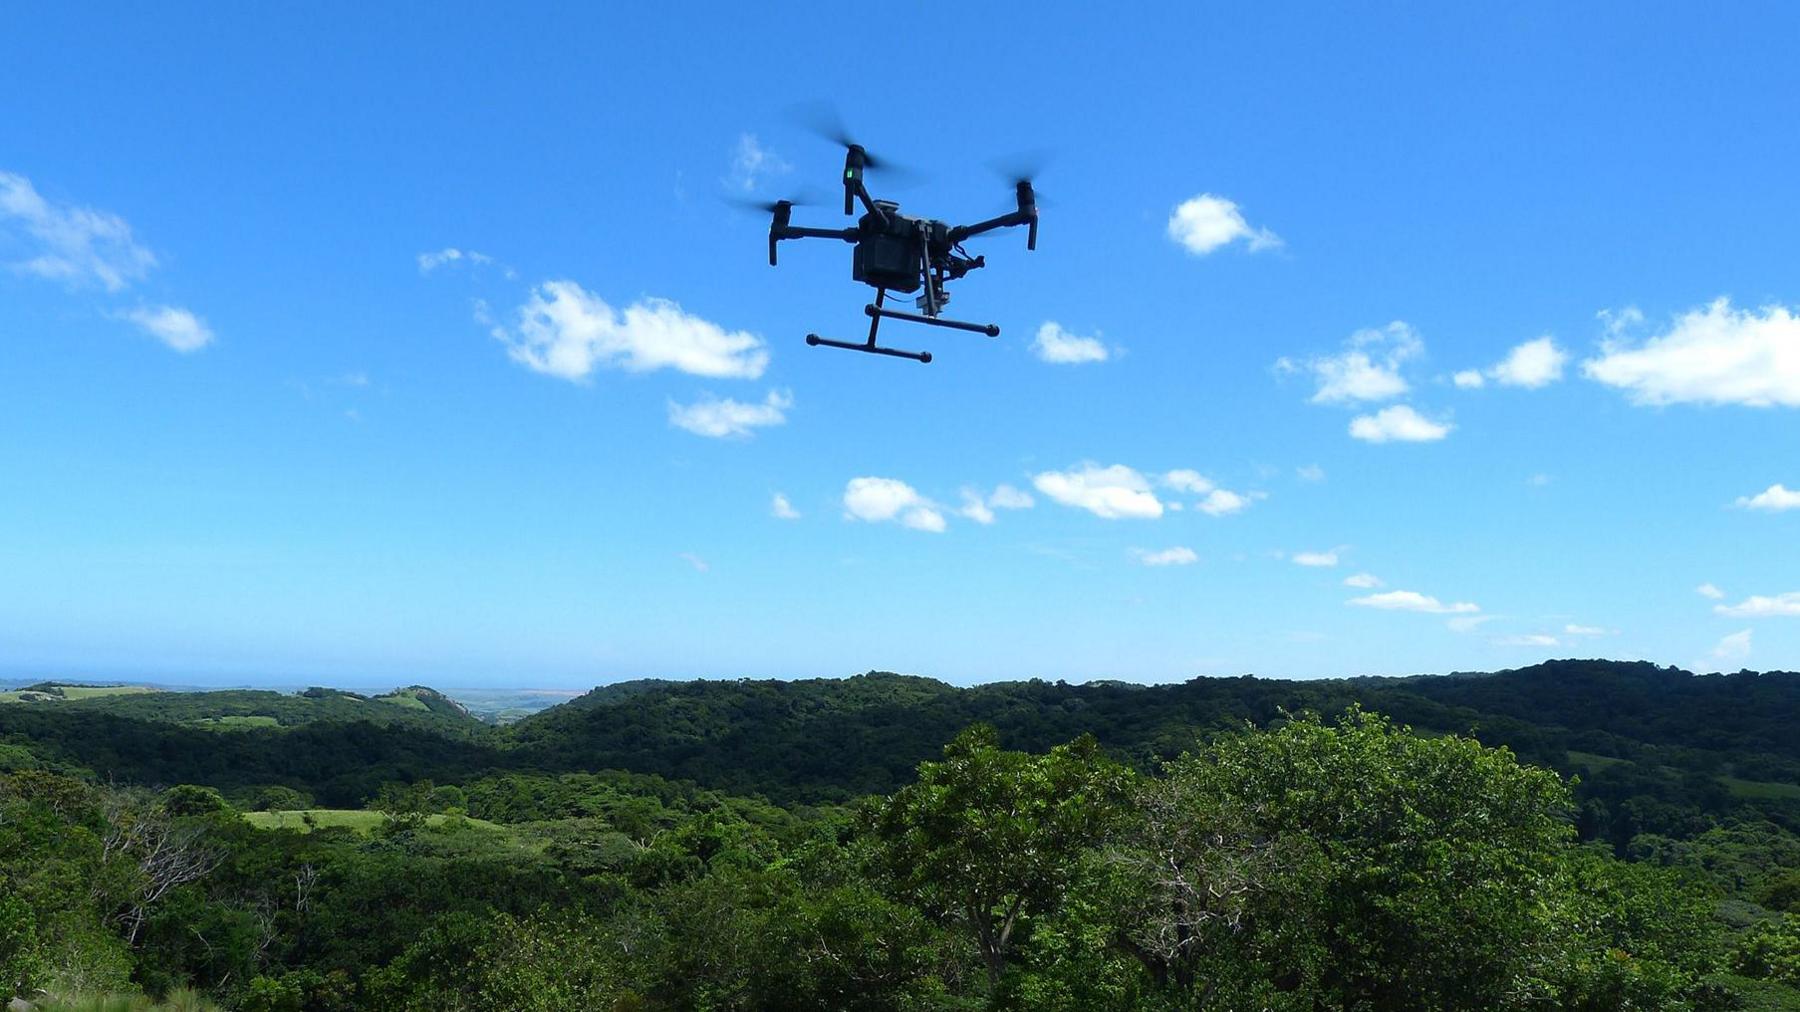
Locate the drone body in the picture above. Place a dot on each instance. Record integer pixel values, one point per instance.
(901, 253)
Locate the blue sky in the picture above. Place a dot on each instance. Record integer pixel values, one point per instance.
(1384, 340)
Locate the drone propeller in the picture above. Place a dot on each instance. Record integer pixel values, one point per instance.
(765, 206)
(822, 118)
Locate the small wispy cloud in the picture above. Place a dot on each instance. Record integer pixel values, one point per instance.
(1057, 346)
(1709, 591)
(883, 500)
(1222, 502)
(1322, 560)
(752, 164)
(1777, 498)
(1735, 647)
(69, 243)
(1398, 423)
(1408, 600)
(1113, 492)
(724, 418)
(173, 326)
(565, 331)
(781, 509)
(1367, 369)
(1536, 363)
(1363, 581)
(1528, 640)
(1207, 222)
(1761, 606)
(700, 565)
(1178, 555)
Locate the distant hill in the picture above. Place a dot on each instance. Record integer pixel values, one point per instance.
(55, 692)
(1658, 750)
(238, 709)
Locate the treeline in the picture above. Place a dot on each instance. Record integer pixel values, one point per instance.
(1657, 750)
(1342, 864)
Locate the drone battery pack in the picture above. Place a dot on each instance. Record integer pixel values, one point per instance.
(889, 260)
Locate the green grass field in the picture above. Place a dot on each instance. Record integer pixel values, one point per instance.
(357, 819)
(72, 692)
(1763, 789)
(402, 699)
(238, 721)
(1591, 761)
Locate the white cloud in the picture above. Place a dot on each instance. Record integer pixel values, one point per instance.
(699, 564)
(1715, 355)
(1177, 556)
(1205, 223)
(1530, 365)
(76, 245)
(1774, 499)
(1398, 423)
(1734, 647)
(980, 508)
(173, 326)
(1618, 321)
(1468, 623)
(1527, 640)
(1055, 345)
(1368, 369)
(1469, 379)
(975, 508)
(720, 419)
(1185, 480)
(1114, 493)
(781, 509)
(1311, 472)
(877, 500)
(450, 255)
(1363, 581)
(1407, 600)
(751, 163)
(1005, 497)
(1321, 560)
(1707, 590)
(1584, 630)
(567, 332)
(1221, 502)
(1758, 606)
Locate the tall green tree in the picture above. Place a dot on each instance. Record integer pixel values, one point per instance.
(989, 837)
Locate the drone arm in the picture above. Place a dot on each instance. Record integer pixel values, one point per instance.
(779, 232)
(961, 232)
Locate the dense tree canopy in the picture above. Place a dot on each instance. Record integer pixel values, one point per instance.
(1216, 845)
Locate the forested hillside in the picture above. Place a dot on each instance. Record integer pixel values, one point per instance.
(1580, 834)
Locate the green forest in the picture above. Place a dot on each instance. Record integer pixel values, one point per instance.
(1574, 835)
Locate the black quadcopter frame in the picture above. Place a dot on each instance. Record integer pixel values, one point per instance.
(930, 248)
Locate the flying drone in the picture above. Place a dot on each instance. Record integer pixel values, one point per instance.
(900, 253)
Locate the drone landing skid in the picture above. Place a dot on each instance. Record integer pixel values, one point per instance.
(876, 312)
(917, 356)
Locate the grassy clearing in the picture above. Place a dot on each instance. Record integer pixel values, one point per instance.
(177, 1001)
(356, 819)
(1591, 761)
(238, 721)
(37, 694)
(1762, 789)
(402, 699)
(91, 691)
